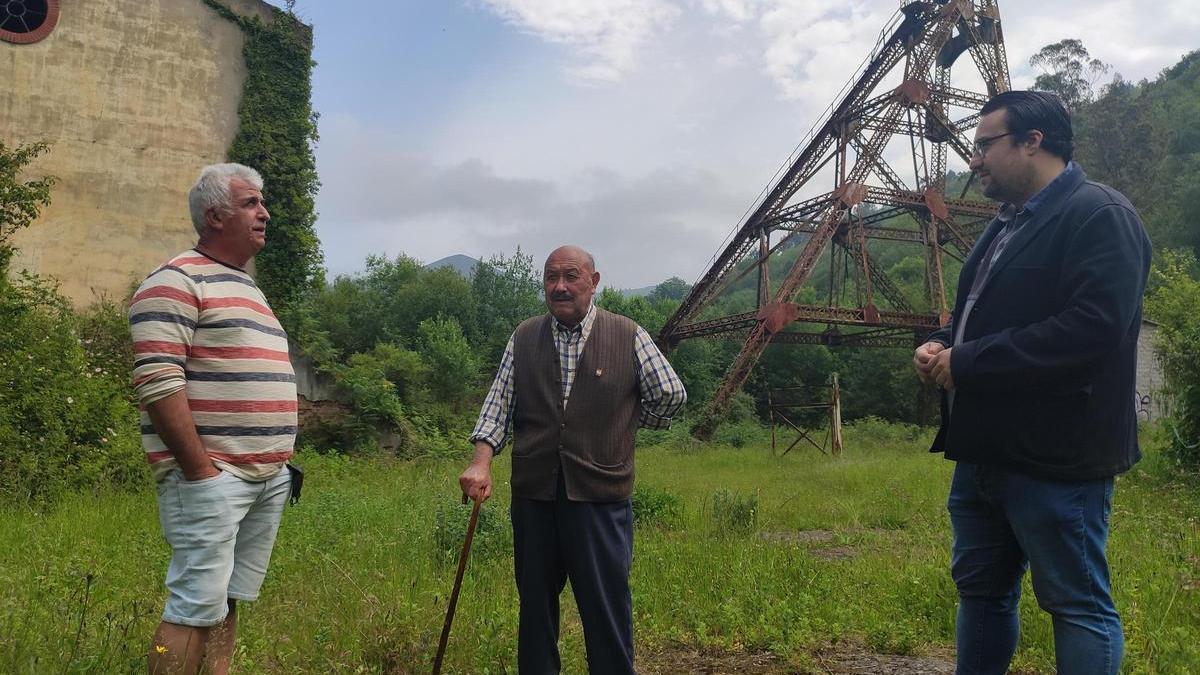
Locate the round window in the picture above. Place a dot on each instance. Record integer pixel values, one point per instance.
(27, 21)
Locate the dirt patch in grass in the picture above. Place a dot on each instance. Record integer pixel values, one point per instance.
(835, 552)
(798, 536)
(699, 661)
(857, 660)
(821, 536)
(808, 537)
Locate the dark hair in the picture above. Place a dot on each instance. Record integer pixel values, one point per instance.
(1041, 110)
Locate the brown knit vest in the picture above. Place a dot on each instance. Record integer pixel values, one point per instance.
(592, 440)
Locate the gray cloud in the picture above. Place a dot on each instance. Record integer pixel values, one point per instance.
(642, 229)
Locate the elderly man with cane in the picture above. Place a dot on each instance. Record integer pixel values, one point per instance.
(575, 384)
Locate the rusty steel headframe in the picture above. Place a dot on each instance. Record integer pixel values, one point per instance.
(921, 44)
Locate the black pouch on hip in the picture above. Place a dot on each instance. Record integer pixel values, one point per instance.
(297, 475)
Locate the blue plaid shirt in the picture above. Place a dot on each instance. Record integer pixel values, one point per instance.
(661, 390)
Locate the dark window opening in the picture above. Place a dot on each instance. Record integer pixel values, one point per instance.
(23, 16)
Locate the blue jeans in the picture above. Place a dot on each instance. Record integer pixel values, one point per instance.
(1004, 522)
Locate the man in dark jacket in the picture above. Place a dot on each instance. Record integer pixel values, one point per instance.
(575, 384)
(1037, 372)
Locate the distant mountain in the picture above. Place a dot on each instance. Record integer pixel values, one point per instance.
(463, 264)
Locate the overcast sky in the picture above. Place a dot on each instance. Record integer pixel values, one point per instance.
(639, 129)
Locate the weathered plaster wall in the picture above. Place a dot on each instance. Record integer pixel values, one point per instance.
(1151, 403)
(134, 97)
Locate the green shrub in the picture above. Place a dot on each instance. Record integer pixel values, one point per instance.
(676, 435)
(493, 532)
(741, 434)
(343, 434)
(733, 513)
(20, 200)
(1173, 303)
(103, 329)
(375, 382)
(453, 367)
(871, 432)
(740, 426)
(66, 417)
(655, 506)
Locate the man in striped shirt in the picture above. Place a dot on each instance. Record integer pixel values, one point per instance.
(575, 384)
(218, 402)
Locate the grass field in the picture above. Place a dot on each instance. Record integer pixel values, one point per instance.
(781, 557)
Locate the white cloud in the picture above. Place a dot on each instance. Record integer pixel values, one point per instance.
(1138, 43)
(812, 48)
(705, 99)
(607, 33)
(736, 10)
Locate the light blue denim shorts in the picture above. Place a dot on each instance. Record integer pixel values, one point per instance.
(221, 531)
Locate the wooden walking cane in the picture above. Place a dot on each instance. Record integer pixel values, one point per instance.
(462, 567)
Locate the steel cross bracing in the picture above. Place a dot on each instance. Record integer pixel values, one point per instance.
(873, 198)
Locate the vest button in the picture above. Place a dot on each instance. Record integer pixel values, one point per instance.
(563, 425)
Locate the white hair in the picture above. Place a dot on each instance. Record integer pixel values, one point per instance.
(211, 190)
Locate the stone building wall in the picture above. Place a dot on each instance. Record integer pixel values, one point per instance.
(133, 98)
(1151, 404)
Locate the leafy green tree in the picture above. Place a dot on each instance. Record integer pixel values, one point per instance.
(1069, 71)
(701, 365)
(348, 314)
(507, 291)
(791, 367)
(453, 366)
(909, 275)
(671, 289)
(1116, 140)
(383, 276)
(405, 369)
(387, 303)
(877, 382)
(20, 200)
(648, 314)
(1144, 140)
(438, 292)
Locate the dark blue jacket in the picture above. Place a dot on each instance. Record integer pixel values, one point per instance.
(1044, 377)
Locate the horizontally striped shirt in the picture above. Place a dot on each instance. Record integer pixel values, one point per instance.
(661, 389)
(204, 326)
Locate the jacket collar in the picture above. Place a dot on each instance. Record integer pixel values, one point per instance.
(1043, 206)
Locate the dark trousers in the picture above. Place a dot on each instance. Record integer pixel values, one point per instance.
(592, 545)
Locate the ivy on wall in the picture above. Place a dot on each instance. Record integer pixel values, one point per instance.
(277, 129)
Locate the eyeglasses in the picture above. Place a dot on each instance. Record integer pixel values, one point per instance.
(981, 144)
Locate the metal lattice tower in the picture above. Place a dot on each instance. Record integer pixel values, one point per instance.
(921, 119)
